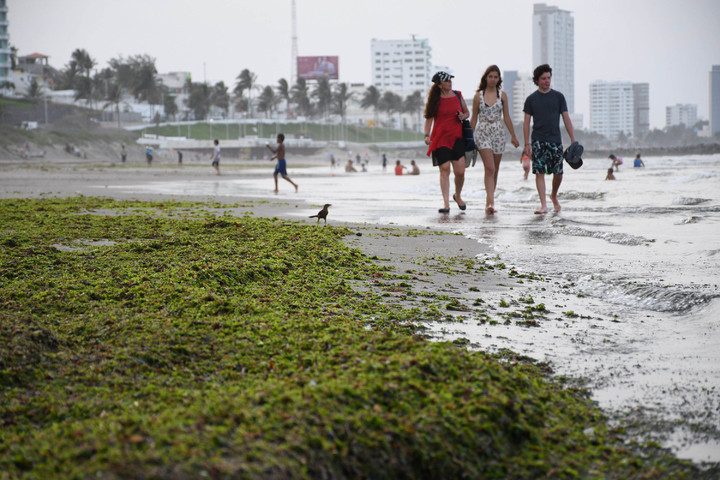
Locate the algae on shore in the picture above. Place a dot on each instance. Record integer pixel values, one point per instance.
(171, 340)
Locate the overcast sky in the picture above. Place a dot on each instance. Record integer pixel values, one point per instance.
(670, 44)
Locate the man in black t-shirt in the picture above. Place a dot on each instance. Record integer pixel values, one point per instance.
(546, 106)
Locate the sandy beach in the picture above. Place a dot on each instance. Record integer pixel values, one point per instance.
(574, 330)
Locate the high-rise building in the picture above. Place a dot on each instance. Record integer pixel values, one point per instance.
(401, 65)
(5, 52)
(714, 99)
(641, 98)
(509, 77)
(554, 44)
(681, 114)
(522, 88)
(612, 108)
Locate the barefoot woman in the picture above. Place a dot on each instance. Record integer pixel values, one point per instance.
(490, 107)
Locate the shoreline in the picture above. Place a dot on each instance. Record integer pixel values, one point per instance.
(424, 256)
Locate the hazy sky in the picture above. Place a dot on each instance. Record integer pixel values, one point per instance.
(670, 44)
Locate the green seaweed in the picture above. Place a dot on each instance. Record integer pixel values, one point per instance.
(171, 340)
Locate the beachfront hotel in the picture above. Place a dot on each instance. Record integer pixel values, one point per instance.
(554, 44)
(681, 114)
(612, 108)
(401, 65)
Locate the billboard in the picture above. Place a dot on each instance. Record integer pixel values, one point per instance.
(312, 68)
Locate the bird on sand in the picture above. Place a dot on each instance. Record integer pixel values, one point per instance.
(322, 213)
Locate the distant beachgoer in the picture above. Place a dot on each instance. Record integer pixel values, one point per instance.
(610, 175)
(637, 163)
(148, 154)
(179, 157)
(216, 156)
(444, 113)
(525, 160)
(123, 153)
(399, 168)
(349, 166)
(364, 167)
(384, 161)
(489, 109)
(281, 166)
(332, 160)
(545, 107)
(414, 170)
(367, 158)
(357, 159)
(616, 161)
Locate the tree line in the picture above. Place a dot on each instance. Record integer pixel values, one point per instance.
(137, 76)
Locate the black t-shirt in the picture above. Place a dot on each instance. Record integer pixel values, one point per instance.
(545, 109)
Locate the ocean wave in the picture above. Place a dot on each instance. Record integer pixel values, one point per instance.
(694, 178)
(648, 297)
(573, 195)
(611, 237)
(689, 201)
(685, 221)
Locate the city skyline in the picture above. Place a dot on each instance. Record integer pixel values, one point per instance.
(672, 46)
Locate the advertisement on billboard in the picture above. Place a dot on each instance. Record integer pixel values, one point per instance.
(312, 68)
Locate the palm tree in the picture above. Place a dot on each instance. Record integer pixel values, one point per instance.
(113, 97)
(283, 90)
(246, 81)
(341, 96)
(199, 100)
(268, 100)
(413, 104)
(220, 98)
(371, 98)
(391, 103)
(323, 94)
(34, 91)
(83, 61)
(300, 96)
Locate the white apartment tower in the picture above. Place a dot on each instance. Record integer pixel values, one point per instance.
(5, 52)
(681, 114)
(401, 65)
(612, 108)
(554, 44)
(714, 99)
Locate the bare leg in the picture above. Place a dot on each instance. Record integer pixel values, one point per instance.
(458, 167)
(293, 183)
(490, 174)
(540, 184)
(445, 183)
(557, 180)
(276, 183)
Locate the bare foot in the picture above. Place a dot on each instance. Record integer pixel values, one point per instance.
(275, 191)
(296, 188)
(490, 210)
(541, 211)
(556, 204)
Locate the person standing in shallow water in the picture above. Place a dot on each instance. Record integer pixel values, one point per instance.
(444, 113)
(546, 106)
(490, 108)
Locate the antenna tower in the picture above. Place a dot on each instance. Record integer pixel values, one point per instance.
(294, 53)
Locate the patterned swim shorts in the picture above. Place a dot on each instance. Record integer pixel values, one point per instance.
(490, 135)
(547, 158)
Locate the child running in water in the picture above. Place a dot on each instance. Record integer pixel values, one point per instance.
(281, 166)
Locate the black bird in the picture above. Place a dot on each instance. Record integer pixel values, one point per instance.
(322, 213)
